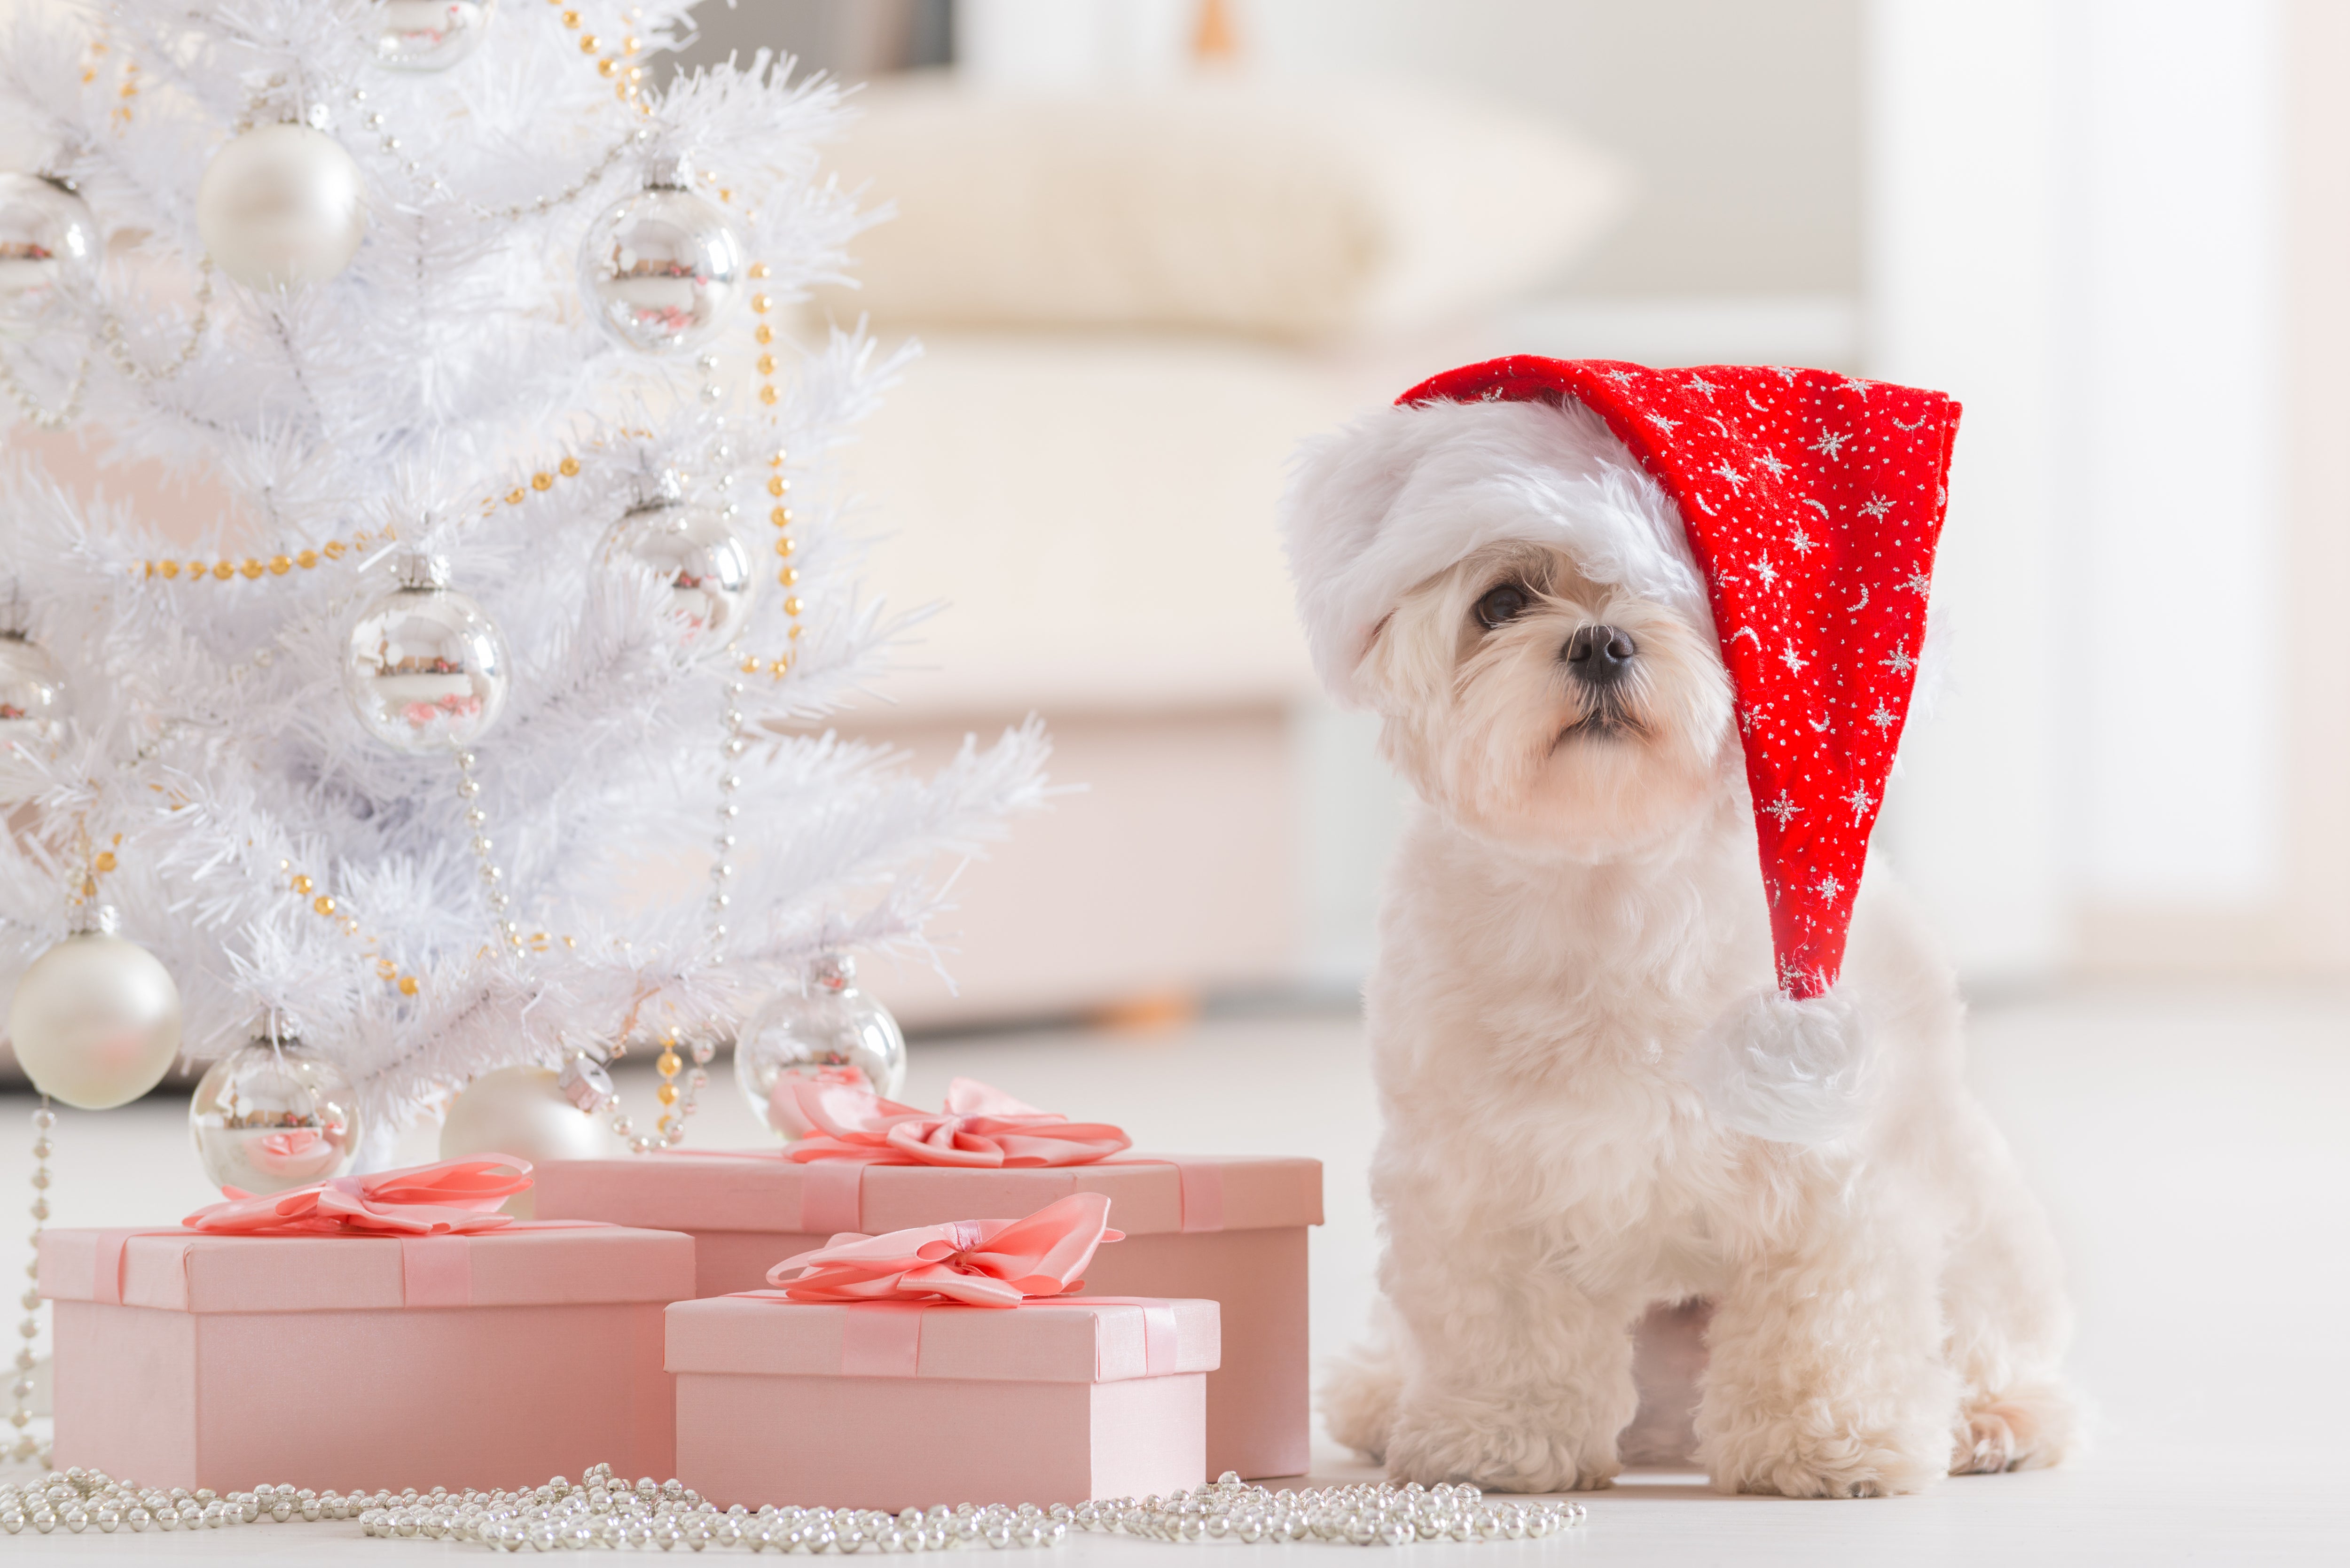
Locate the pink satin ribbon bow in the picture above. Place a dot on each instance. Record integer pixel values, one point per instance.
(981, 1127)
(978, 1263)
(454, 1198)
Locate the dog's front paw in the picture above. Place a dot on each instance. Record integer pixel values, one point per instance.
(1811, 1452)
(1498, 1445)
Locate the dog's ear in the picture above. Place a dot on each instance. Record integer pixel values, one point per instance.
(1413, 650)
(1343, 489)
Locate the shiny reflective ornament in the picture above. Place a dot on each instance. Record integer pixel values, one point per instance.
(527, 1112)
(662, 269)
(274, 1114)
(34, 705)
(429, 35)
(95, 1020)
(826, 1029)
(425, 669)
(282, 206)
(49, 246)
(710, 575)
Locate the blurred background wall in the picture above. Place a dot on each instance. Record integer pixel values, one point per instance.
(2113, 228)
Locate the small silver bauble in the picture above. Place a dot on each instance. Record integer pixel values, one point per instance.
(425, 669)
(48, 245)
(33, 700)
(585, 1085)
(274, 1114)
(95, 1020)
(824, 1029)
(662, 269)
(429, 35)
(530, 1113)
(708, 571)
(282, 206)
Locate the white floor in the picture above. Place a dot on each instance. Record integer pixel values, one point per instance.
(2194, 1148)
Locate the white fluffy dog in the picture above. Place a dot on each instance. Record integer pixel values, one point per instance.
(1577, 903)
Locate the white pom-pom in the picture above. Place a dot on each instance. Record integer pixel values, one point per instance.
(1794, 1071)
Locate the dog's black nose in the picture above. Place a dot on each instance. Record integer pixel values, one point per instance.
(1599, 654)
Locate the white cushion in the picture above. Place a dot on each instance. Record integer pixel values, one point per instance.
(1297, 214)
(1094, 511)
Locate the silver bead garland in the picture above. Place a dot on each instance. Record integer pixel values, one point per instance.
(118, 345)
(39, 415)
(605, 1512)
(21, 1445)
(492, 877)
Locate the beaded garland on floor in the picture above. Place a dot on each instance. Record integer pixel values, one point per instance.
(605, 1512)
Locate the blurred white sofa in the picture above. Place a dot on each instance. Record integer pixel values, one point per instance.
(1131, 309)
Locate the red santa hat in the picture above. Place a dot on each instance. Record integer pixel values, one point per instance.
(1811, 504)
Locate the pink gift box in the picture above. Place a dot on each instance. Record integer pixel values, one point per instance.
(1230, 1228)
(363, 1362)
(890, 1406)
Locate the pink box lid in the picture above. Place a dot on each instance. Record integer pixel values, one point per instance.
(519, 1266)
(756, 1190)
(1080, 1339)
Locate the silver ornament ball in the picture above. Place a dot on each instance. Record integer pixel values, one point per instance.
(697, 556)
(664, 269)
(274, 1114)
(282, 206)
(429, 35)
(822, 1028)
(49, 246)
(34, 703)
(425, 669)
(96, 1018)
(530, 1113)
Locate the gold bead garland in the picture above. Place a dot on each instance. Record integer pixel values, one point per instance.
(324, 905)
(251, 568)
(627, 80)
(540, 482)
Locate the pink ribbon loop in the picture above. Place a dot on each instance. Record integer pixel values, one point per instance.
(981, 1127)
(978, 1263)
(454, 1198)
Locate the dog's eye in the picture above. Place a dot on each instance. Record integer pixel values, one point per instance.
(1506, 603)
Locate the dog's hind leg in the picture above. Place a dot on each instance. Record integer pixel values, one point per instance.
(1360, 1389)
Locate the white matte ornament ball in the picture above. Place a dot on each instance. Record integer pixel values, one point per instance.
(272, 1114)
(282, 206)
(708, 569)
(96, 1020)
(824, 1029)
(424, 669)
(664, 269)
(429, 35)
(528, 1113)
(49, 246)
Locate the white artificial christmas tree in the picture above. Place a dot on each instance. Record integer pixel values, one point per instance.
(469, 320)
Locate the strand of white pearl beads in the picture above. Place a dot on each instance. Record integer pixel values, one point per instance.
(605, 1512)
(23, 1445)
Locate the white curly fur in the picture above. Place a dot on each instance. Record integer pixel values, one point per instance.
(1576, 906)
